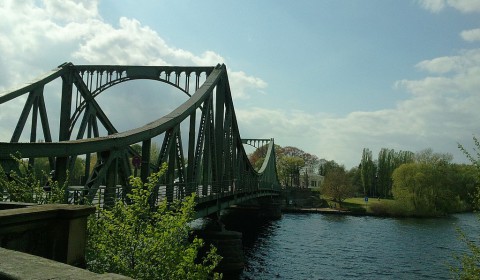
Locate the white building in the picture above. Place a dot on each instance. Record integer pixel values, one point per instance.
(309, 177)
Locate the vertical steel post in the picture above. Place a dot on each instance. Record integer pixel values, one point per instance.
(145, 168)
(33, 129)
(170, 175)
(110, 185)
(61, 164)
(191, 182)
(219, 134)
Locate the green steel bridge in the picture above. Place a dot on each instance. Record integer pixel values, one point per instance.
(210, 160)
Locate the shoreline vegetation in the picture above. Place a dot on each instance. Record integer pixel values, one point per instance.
(386, 208)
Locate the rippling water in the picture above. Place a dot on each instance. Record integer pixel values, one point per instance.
(316, 246)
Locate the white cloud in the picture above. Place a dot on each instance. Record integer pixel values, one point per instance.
(462, 69)
(440, 65)
(441, 110)
(243, 85)
(471, 35)
(52, 32)
(433, 6)
(39, 35)
(464, 6)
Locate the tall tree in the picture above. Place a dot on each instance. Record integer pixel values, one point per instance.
(428, 156)
(288, 168)
(388, 161)
(368, 172)
(385, 164)
(326, 166)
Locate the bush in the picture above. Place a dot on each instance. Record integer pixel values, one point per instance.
(25, 187)
(135, 241)
(470, 262)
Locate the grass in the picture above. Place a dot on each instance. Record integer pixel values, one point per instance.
(383, 207)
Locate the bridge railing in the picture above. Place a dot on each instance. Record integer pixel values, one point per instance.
(177, 191)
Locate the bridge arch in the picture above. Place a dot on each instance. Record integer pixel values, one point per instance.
(211, 162)
(98, 80)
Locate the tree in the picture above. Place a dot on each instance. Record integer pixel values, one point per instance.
(337, 185)
(129, 239)
(470, 262)
(356, 180)
(388, 161)
(368, 172)
(308, 159)
(259, 155)
(135, 241)
(326, 166)
(425, 188)
(28, 186)
(288, 168)
(289, 162)
(466, 183)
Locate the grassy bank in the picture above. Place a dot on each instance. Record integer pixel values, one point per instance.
(374, 207)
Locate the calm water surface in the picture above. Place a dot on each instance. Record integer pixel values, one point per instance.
(316, 246)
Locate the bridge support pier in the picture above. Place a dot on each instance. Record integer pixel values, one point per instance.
(229, 246)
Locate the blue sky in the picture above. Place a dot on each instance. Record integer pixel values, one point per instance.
(330, 77)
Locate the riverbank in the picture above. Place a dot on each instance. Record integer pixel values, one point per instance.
(332, 211)
(317, 210)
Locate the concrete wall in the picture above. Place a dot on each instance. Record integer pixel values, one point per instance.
(52, 231)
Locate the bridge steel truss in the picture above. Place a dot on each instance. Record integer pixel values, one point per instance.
(211, 162)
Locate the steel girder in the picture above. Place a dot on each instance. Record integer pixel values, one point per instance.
(216, 163)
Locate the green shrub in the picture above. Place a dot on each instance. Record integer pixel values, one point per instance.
(25, 186)
(135, 241)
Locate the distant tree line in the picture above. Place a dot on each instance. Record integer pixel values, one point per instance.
(425, 183)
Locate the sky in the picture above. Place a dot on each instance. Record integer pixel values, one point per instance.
(329, 77)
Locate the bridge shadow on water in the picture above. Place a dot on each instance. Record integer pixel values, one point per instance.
(255, 229)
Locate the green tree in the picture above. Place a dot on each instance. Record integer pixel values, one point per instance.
(470, 262)
(26, 186)
(289, 162)
(288, 168)
(132, 240)
(368, 172)
(326, 166)
(466, 181)
(385, 170)
(355, 178)
(337, 185)
(425, 188)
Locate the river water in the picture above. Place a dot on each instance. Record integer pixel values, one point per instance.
(318, 246)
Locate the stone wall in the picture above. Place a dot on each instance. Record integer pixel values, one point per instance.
(52, 231)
